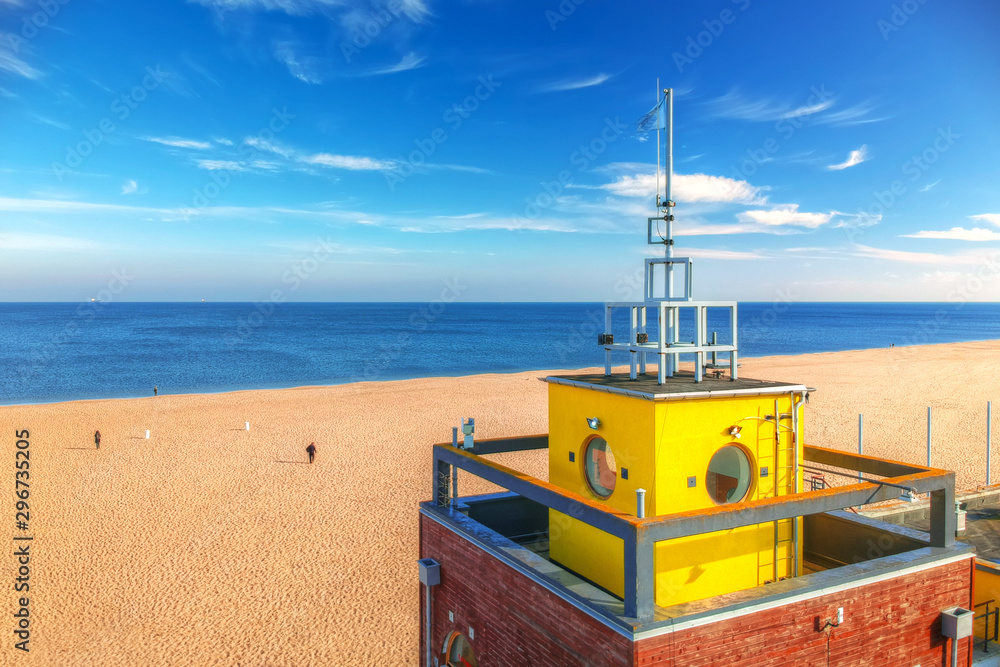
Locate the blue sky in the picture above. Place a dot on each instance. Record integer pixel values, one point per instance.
(347, 150)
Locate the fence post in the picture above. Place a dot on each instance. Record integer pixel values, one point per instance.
(928, 436)
(989, 414)
(861, 438)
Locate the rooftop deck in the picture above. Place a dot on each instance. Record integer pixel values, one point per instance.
(681, 385)
(513, 526)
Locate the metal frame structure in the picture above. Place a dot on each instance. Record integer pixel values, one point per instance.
(667, 308)
(640, 535)
(667, 344)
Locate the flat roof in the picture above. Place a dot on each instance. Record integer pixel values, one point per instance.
(680, 386)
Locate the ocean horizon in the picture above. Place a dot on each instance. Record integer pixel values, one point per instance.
(51, 352)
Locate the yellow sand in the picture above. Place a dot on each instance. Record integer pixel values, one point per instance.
(211, 545)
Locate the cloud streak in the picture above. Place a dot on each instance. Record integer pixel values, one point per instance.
(690, 188)
(957, 234)
(408, 62)
(575, 84)
(177, 142)
(855, 158)
(992, 218)
(11, 63)
(788, 214)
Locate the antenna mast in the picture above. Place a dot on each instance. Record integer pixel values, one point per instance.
(662, 309)
(657, 100)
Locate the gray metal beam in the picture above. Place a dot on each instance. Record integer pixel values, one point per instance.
(860, 463)
(725, 517)
(944, 521)
(595, 514)
(631, 576)
(500, 445)
(645, 580)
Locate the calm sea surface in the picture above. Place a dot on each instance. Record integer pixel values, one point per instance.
(53, 352)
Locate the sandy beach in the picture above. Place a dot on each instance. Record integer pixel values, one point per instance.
(211, 545)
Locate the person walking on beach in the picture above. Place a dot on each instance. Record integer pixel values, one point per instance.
(154, 390)
(97, 439)
(311, 451)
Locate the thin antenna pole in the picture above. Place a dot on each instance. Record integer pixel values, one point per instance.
(656, 99)
(669, 92)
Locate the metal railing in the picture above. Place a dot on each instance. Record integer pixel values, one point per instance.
(989, 633)
(640, 535)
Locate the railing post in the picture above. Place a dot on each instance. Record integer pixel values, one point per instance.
(944, 523)
(640, 578)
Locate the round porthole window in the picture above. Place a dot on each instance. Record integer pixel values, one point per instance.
(729, 475)
(459, 651)
(599, 464)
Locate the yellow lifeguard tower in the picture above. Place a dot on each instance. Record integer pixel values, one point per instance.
(652, 450)
(673, 528)
(682, 442)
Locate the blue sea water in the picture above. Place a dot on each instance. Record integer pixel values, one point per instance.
(53, 352)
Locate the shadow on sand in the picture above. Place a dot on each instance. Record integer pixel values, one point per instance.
(301, 463)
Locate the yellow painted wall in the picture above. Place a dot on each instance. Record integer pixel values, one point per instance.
(985, 586)
(662, 444)
(627, 425)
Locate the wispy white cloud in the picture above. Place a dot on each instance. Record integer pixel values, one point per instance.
(293, 7)
(927, 187)
(690, 188)
(177, 142)
(575, 84)
(415, 10)
(855, 115)
(220, 165)
(965, 258)
(408, 62)
(45, 120)
(786, 214)
(308, 69)
(269, 146)
(222, 141)
(130, 187)
(992, 218)
(713, 253)
(301, 160)
(734, 106)
(349, 162)
(957, 234)
(855, 158)
(10, 62)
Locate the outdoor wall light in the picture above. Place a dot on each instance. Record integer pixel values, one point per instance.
(735, 431)
(593, 422)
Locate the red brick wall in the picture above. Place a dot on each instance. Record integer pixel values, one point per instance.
(894, 622)
(516, 621)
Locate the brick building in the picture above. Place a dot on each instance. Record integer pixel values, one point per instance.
(678, 525)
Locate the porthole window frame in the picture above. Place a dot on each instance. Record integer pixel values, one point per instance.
(584, 452)
(449, 643)
(751, 482)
